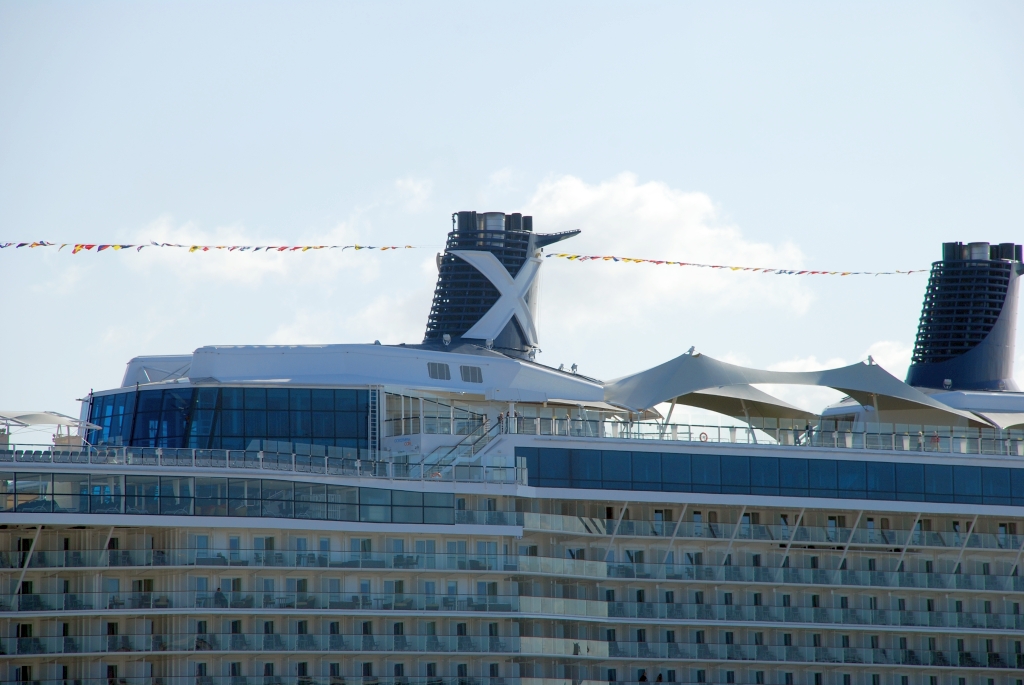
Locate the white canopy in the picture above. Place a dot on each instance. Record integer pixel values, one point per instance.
(41, 418)
(869, 384)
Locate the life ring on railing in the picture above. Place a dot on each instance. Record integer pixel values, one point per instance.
(703, 437)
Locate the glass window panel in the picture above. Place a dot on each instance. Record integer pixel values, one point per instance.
(793, 478)
(705, 469)
(374, 513)
(438, 499)
(363, 401)
(255, 398)
(278, 424)
(346, 424)
(323, 424)
(33, 490)
(7, 491)
(176, 495)
(532, 457)
(586, 468)
(146, 429)
(881, 480)
(554, 468)
(909, 482)
(231, 398)
(1017, 486)
(244, 497)
(71, 493)
(345, 400)
(107, 494)
(277, 399)
(232, 423)
(735, 475)
(438, 515)
(343, 503)
(150, 401)
(821, 477)
(310, 501)
(996, 485)
(374, 496)
(278, 490)
(302, 426)
(675, 468)
(299, 399)
(405, 498)
(764, 475)
(616, 469)
(938, 483)
(853, 479)
(211, 496)
(647, 470)
(406, 514)
(967, 484)
(255, 424)
(323, 400)
(141, 495)
(206, 398)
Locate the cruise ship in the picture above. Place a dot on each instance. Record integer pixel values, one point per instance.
(453, 512)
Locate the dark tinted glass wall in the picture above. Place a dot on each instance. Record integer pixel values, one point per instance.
(231, 418)
(785, 477)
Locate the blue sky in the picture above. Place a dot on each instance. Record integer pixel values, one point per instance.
(817, 135)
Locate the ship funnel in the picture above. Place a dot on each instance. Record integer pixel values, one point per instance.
(965, 340)
(486, 281)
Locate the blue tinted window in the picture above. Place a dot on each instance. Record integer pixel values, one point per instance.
(206, 398)
(150, 400)
(938, 483)
(231, 398)
(586, 468)
(705, 471)
(617, 469)
(299, 399)
(736, 475)
(554, 468)
(996, 485)
(821, 478)
(647, 470)
(345, 400)
(675, 471)
(302, 425)
(323, 400)
(1017, 486)
(255, 398)
(910, 482)
(853, 479)
(881, 480)
(793, 477)
(764, 475)
(255, 423)
(967, 484)
(277, 399)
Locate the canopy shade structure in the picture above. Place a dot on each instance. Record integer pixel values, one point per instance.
(41, 418)
(743, 402)
(867, 383)
(1003, 420)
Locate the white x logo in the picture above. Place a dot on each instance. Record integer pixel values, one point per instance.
(513, 296)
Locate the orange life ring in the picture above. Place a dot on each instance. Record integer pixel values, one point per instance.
(703, 437)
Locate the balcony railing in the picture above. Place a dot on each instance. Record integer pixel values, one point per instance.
(501, 563)
(498, 645)
(261, 602)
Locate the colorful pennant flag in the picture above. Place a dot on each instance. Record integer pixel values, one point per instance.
(756, 269)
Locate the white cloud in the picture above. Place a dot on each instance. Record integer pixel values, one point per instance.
(656, 310)
(414, 191)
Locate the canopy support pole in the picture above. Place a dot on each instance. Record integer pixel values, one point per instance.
(28, 558)
(664, 424)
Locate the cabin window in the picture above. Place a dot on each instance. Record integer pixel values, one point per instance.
(439, 371)
(471, 374)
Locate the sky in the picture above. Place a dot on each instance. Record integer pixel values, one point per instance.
(838, 136)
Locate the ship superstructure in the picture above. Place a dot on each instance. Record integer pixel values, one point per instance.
(452, 512)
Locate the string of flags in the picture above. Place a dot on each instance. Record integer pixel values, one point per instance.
(96, 247)
(87, 247)
(757, 269)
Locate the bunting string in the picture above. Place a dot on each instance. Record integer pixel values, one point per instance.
(96, 247)
(757, 269)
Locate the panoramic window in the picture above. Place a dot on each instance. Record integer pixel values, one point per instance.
(439, 371)
(471, 374)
